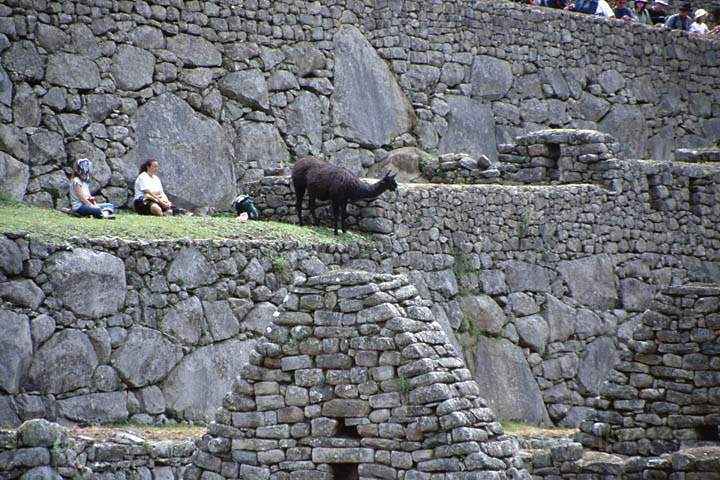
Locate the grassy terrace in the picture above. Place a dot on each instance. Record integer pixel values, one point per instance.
(53, 225)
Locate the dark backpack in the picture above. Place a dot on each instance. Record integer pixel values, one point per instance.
(586, 6)
(245, 203)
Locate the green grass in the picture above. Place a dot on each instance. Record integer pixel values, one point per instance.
(53, 225)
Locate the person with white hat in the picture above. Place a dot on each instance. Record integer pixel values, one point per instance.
(642, 14)
(658, 12)
(699, 25)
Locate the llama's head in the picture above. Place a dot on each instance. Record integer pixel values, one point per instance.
(388, 182)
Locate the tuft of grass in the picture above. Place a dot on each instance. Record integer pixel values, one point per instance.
(280, 265)
(404, 385)
(53, 225)
(461, 264)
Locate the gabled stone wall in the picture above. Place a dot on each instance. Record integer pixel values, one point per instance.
(355, 379)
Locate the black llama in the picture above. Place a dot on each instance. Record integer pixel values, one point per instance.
(324, 181)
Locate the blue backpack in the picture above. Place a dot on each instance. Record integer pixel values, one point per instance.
(586, 6)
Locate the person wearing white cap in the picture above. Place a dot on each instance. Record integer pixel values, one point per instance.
(699, 25)
(658, 12)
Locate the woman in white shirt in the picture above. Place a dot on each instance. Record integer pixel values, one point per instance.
(150, 199)
(699, 25)
(81, 201)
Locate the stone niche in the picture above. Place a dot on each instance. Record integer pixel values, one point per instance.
(355, 379)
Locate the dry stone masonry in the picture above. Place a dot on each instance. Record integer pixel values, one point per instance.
(355, 379)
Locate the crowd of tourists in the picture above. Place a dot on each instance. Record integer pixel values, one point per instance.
(642, 12)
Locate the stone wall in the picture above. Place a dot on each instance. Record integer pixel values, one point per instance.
(665, 393)
(227, 92)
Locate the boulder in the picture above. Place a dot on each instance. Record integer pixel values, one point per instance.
(442, 281)
(196, 153)
(6, 88)
(590, 107)
(151, 400)
(261, 143)
(282, 81)
(26, 108)
(260, 317)
(64, 363)
(611, 81)
(471, 129)
(11, 257)
(40, 433)
(523, 276)
(220, 320)
(132, 67)
(72, 71)
(191, 269)
(23, 59)
(8, 413)
(95, 408)
(305, 118)
(308, 60)
(23, 293)
(146, 357)
(534, 332)
(51, 38)
(46, 147)
(506, 382)
(627, 124)
(84, 40)
(592, 281)
(91, 284)
(184, 321)
(14, 142)
(15, 350)
(407, 162)
(636, 295)
(560, 318)
(147, 36)
(596, 364)
(368, 105)
(484, 312)
(196, 387)
(100, 106)
(194, 51)
(247, 88)
(41, 328)
(491, 77)
(41, 473)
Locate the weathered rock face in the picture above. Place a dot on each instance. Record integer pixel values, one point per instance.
(506, 382)
(95, 407)
(247, 88)
(195, 153)
(184, 321)
(491, 77)
(146, 357)
(23, 58)
(471, 129)
(597, 362)
(261, 144)
(194, 51)
(592, 281)
(89, 283)
(191, 269)
(196, 386)
(15, 350)
(368, 105)
(72, 71)
(132, 67)
(304, 118)
(627, 124)
(11, 257)
(64, 363)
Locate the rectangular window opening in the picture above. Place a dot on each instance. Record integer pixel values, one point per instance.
(344, 471)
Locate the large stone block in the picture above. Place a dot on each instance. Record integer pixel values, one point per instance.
(24, 59)
(72, 71)
(534, 332)
(195, 388)
(596, 364)
(95, 408)
(15, 350)
(491, 77)
(132, 67)
(64, 363)
(184, 321)
(471, 129)
(11, 257)
(561, 319)
(194, 51)
(6, 88)
(484, 312)
(146, 357)
(506, 382)
(523, 276)
(592, 281)
(196, 154)
(248, 88)
(305, 118)
(368, 105)
(191, 269)
(627, 124)
(24, 293)
(261, 143)
(91, 284)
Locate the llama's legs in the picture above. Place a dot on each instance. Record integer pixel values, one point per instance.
(311, 205)
(336, 208)
(343, 215)
(299, 194)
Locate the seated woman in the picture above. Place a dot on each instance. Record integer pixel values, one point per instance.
(150, 199)
(81, 201)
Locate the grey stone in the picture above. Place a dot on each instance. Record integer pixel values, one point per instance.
(40, 433)
(368, 105)
(596, 364)
(591, 108)
(247, 87)
(26, 108)
(523, 276)
(442, 281)
(191, 269)
(91, 284)
(100, 339)
(15, 350)
(95, 408)
(184, 321)
(592, 281)
(560, 319)
(522, 304)
(72, 124)
(23, 58)
(611, 81)
(534, 332)
(6, 88)
(24, 293)
(261, 143)
(491, 77)
(305, 118)
(221, 320)
(484, 312)
(106, 379)
(194, 51)
(195, 388)
(51, 38)
(14, 142)
(636, 295)
(627, 124)
(151, 399)
(308, 60)
(84, 41)
(281, 81)
(506, 382)
(11, 257)
(46, 147)
(421, 78)
(147, 36)
(41, 473)
(339, 407)
(260, 317)
(41, 328)
(132, 68)
(72, 71)
(146, 357)
(471, 129)
(64, 363)
(169, 129)
(711, 129)
(406, 162)
(8, 413)
(100, 106)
